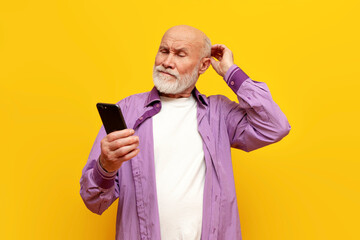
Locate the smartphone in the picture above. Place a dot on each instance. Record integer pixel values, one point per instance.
(111, 117)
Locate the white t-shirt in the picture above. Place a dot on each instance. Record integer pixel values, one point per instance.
(180, 169)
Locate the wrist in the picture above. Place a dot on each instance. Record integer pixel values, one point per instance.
(227, 67)
(101, 177)
(102, 166)
(105, 169)
(229, 72)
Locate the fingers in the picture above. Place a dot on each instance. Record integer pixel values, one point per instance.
(224, 56)
(218, 47)
(123, 151)
(218, 50)
(113, 164)
(214, 64)
(118, 147)
(119, 134)
(118, 143)
(118, 140)
(130, 155)
(121, 144)
(217, 54)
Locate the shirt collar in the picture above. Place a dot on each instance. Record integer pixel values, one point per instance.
(201, 98)
(154, 97)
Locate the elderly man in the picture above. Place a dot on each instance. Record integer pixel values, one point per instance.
(172, 171)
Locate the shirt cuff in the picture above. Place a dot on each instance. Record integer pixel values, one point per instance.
(234, 77)
(101, 177)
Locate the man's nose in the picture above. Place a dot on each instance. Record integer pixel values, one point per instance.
(169, 62)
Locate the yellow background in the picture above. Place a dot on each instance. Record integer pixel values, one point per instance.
(59, 58)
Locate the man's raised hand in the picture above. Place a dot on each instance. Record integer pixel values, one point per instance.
(118, 147)
(224, 56)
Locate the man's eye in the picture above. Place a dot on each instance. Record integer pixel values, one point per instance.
(182, 55)
(163, 51)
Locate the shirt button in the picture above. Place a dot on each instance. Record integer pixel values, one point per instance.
(141, 118)
(232, 83)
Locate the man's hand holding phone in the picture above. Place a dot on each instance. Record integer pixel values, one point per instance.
(118, 147)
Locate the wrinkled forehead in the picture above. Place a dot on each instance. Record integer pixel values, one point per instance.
(182, 39)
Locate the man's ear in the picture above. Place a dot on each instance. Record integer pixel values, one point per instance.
(204, 64)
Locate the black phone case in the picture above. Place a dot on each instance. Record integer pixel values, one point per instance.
(111, 117)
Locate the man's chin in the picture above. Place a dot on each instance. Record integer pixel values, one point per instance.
(169, 84)
(166, 91)
(174, 90)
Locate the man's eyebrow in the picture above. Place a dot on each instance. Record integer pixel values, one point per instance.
(166, 47)
(182, 50)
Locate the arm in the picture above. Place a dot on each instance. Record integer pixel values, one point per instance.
(256, 120)
(99, 188)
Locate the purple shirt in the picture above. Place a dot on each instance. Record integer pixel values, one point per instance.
(254, 122)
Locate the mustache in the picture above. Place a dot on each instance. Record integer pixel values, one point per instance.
(169, 71)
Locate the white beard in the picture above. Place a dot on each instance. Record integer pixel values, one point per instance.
(173, 84)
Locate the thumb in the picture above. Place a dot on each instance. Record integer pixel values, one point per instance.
(214, 63)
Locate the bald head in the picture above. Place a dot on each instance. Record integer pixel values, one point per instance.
(191, 34)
